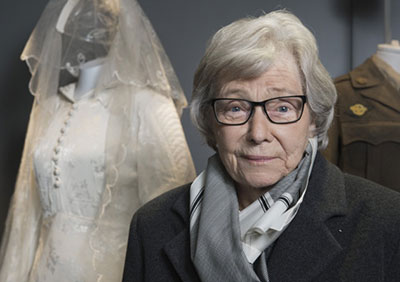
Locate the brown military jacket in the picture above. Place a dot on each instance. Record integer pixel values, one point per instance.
(365, 135)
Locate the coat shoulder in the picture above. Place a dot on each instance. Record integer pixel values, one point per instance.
(154, 227)
(373, 199)
(169, 206)
(343, 85)
(342, 78)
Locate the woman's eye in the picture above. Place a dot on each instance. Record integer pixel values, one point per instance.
(283, 109)
(236, 109)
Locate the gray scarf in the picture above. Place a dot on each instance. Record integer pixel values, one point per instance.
(215, 237)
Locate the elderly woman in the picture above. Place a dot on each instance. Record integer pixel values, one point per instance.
(268, 207)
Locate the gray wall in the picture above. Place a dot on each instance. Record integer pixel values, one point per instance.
(347, 33)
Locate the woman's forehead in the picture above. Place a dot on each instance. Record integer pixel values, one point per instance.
(279, 80)
(281, 75)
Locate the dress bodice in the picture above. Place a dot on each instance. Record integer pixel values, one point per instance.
(93, 163)
(69, 168)
(69, 159)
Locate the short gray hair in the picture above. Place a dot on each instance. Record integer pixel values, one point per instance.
(245, 49)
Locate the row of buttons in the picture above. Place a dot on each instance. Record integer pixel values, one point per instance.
(57, 148)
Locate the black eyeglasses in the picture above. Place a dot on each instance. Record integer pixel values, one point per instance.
(279, 110)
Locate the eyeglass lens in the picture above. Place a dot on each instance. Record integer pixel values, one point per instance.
(238, 111)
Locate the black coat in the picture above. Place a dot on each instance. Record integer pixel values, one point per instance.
(347, 229)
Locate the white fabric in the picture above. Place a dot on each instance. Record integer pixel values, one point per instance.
(69, 164)
(66, 11)
(70, 158)
(69, 238)
(116, 29)
(266, 228)
(73, 226)
(69, 168)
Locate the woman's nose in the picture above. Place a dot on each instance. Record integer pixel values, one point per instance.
(260, 128)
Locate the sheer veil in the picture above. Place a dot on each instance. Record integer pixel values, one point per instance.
(146, 152)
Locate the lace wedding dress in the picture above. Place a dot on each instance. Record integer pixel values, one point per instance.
(89, 163)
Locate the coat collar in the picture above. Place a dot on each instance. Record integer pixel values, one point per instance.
(303, 250)
(309, 244)
(367, 77)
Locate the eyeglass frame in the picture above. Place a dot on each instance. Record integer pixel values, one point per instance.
(262, 105)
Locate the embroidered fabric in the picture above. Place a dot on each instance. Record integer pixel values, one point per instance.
(69, 159)
(88, 164)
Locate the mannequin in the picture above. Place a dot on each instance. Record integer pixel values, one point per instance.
(89, 73)
(96, 149)
(390, 54)
(363, 139)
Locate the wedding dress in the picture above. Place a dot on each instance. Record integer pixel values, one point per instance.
(90, 161)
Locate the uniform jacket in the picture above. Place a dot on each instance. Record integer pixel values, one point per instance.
(347, 229)
(365, 136)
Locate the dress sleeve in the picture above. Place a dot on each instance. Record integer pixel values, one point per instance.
(20, 238)
(146, 155)
(164, 160)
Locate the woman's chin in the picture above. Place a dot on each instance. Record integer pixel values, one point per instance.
(261, 180)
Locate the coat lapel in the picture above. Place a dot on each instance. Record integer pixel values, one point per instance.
(178, 248)
(303, 251)
(307, 247)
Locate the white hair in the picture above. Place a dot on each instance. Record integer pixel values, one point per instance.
(245, 49)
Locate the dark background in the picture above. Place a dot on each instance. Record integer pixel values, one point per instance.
(347, 33)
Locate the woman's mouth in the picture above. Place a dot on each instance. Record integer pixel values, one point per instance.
(258, 159)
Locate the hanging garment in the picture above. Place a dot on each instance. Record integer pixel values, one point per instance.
(90, 162)
(365, 135)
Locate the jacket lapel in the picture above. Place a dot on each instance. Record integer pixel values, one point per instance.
(303, 251)
(178, 248)
(307, 247)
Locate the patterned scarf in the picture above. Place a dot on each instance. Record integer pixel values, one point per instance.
(226, 243)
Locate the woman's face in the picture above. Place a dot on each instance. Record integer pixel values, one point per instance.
(259, 153)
